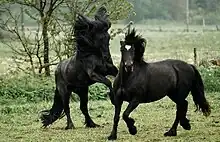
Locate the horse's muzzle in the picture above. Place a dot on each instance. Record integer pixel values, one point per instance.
(129, 67)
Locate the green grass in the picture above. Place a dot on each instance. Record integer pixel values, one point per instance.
(19, 116)
(19, 122)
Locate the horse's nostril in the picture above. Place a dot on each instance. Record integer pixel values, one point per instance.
(128, 63)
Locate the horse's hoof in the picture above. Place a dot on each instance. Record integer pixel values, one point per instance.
(186, 125)
(70, 126)
(44, 126)
(112, 137)
(170, 133)
(92, 125)
(133, 130)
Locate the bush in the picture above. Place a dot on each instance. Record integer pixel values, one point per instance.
(98, 91)
(34, 89)
(211, 78)
(27, 88)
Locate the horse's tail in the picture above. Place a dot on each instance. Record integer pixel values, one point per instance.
(49, 116)
(199, 95)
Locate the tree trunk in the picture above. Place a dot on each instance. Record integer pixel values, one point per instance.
(46, 45)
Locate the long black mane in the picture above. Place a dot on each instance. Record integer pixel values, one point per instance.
(131, 38)
(84, 30)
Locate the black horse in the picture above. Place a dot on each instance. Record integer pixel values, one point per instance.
(141, 82)
(91, 64)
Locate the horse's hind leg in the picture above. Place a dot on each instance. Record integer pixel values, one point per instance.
(83, 94)
(130, 121)
(65, 93)
(172, 131)
(182, 106)
(67, 111)
(184, 122)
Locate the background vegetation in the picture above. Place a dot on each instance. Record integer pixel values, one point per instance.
(175, 11)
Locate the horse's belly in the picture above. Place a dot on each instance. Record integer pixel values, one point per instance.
(152, 98)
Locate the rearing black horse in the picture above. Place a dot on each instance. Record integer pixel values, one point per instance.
(141, 82)
(91, 64)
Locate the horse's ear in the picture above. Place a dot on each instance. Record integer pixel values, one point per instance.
(122, 43)
(144, 43)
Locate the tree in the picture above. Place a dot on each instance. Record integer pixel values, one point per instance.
(45, 9)
(209, 9)
(1, 21)
(53, 32)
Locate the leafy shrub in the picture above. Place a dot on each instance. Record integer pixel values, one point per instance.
(34, 89)
(28, 88)
(211, 78)
(98, 91)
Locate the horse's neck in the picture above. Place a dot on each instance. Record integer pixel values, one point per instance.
(85, 55)
(123, 75)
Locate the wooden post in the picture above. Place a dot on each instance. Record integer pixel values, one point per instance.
(160, 29)
(187, 15)
(217, 28)
(195, 56)
(203, 24)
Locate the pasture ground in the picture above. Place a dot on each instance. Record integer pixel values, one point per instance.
(19, 119)
(19, 122)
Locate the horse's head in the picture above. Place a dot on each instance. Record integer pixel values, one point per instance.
(92, 35)
(127, 56)
(132, 50)
(102, 36)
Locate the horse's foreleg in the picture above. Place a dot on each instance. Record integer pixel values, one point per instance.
(83, 94)
(118, 104)
(130, 121)
(101, 79)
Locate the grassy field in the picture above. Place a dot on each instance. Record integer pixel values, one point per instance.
(19, 119)
(19, 122)
(174, 43)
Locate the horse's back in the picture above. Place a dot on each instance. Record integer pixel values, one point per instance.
(164, 77)
(172, 64)
(64, 65)
(174, 70)
(183, 70)
(71, 72)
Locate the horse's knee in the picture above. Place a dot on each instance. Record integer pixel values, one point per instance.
(109, 83)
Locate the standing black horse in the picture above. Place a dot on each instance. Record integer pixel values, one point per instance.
(141, 82)
(91, 64)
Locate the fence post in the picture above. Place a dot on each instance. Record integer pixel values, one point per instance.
(187, 15)
(195, 56)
